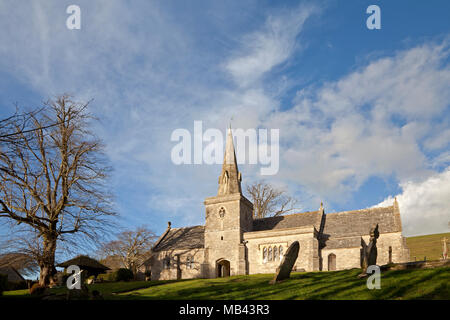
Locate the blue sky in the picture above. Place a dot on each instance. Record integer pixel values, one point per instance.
(363, 114)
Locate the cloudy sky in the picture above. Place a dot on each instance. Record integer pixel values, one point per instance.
(363, 114)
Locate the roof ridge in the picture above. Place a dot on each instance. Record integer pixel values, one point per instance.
(200, 225)
(361, 210)
(287, 215)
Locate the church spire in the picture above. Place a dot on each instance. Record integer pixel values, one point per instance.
(230, 177)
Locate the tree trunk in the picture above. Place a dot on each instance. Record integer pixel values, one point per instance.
(47, 262)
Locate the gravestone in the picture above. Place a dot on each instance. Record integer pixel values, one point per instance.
(285, 267)
(370, 251)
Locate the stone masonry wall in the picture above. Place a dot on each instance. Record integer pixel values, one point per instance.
(307, 257)
(183, 269)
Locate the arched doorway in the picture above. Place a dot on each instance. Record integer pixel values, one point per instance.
(331, 262)
(222, 268)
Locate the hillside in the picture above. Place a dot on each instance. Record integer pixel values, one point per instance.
(429, 246)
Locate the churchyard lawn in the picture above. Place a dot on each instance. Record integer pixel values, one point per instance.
(395, 284)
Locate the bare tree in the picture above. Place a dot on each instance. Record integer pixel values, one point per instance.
(12, 126)
(23, 263)
(269, 201)
(132, 247)
(53, 180)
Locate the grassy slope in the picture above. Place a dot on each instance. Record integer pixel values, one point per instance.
(429, 246)
(404, 284)
(401, 284)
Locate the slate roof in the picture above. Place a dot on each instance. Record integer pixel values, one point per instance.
(359, 222)
(295, 220)
(353, 242)
(182, 238)
(12, 274)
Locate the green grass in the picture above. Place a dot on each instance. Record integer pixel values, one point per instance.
(108, 290)
(395, 284)
(429, 246)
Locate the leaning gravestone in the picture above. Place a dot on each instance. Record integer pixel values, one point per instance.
(370, 251)
(285, 268)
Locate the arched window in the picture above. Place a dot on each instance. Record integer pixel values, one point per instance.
(281, 252)
(270, 254)
(264, 255)
(275, 253)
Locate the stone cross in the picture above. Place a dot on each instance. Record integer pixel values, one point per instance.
(289, 258)
(444, 248)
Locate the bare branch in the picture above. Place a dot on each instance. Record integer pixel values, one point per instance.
(269, 201)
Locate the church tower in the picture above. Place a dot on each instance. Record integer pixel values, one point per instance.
(228, 216)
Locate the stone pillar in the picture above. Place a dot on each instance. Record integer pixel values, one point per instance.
(242, 264)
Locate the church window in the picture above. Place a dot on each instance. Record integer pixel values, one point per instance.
(275, 253)
(222, 212)
(264, 255)
(281, 252)
(270, 254)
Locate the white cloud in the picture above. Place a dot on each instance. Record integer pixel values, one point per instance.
(269, 47)
(146, 84)
(340, 134)
(425, 205)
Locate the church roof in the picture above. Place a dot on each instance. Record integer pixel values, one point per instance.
(359, 222)
(295, 220)
(182, 238)
(337, 243)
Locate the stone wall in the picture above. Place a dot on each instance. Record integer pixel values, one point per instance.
(308, 258)
(227, 217)
(179, 268)
(400, 252)
(347, 258)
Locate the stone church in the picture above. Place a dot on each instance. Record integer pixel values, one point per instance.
(233, 243)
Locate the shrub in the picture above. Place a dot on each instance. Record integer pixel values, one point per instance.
(121, 274)
(124, 275)
(3, 283)
(17, 285)
(105, 277)
(37, 289)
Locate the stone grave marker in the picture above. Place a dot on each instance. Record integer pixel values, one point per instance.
(285, 267)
